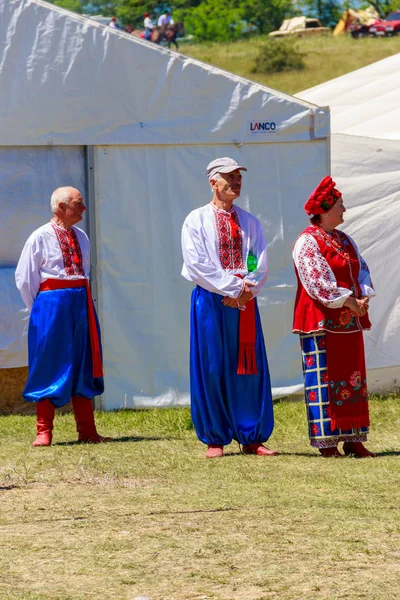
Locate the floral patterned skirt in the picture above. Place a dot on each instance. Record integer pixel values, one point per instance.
(316, 390)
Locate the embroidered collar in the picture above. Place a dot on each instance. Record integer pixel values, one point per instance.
(221, 210)
(68, 229)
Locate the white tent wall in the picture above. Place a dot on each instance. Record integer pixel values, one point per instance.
(28, 176)
(144, 302)
(367, 172)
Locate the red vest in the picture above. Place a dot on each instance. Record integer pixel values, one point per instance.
(311, 315)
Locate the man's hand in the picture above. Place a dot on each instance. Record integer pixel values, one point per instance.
(231, 302)
(242, 299)
(357, 307)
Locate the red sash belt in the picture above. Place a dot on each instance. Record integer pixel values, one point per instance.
(247, 362)
(61, 284)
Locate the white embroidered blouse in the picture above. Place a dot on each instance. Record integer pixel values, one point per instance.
(216, 245)
(49, 254)
(309, 261)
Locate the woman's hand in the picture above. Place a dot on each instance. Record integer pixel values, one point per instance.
(358, 307)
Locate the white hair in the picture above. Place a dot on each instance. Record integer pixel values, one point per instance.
(61, 194)
(216, 177)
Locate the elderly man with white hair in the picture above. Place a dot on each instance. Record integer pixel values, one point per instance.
(65, 361)
(225, 255)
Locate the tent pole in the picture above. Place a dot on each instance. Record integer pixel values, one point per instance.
(90, 197)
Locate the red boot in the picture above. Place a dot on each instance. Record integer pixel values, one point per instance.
(44, 423)
(332, 452)
(258, 449)
(358, 449)
(85, 425)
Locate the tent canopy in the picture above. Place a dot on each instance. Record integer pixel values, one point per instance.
(364, 102)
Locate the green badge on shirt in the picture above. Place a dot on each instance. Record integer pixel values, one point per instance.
(251, 262)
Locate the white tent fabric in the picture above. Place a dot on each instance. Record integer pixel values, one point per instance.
(151, 120)
(365, 102)
(365, 150)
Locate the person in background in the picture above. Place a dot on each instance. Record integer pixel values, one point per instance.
(148, 26)
(165, 19)
(330, 314)
(64, 347)
(113, 23)
(225, 255)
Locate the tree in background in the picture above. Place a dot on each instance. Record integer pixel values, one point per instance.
(267, 15)
(213, 20)
(108, 8)
(384, 7)
(75, 5)
(219, 20)
(328, 11)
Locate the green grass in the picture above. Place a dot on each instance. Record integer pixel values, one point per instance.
(325, 58)
(149, 516)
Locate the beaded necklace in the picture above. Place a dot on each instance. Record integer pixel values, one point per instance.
(334, 240)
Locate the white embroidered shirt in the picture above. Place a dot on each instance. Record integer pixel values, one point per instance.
(318, 278)
(48, 254)
(216, 245)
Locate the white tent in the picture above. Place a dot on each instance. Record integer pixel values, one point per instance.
(134, 125)
(365, 157)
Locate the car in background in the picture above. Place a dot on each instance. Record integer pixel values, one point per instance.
(389, 26)
(299, 26)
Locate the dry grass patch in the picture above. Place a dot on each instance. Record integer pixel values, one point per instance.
(324, 57)
(151, 517)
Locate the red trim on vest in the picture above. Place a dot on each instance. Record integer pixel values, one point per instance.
(61, 284)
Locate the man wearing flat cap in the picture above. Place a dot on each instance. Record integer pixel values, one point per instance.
(225, 255)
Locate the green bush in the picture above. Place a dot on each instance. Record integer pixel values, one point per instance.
(278, 55)
(213, 21)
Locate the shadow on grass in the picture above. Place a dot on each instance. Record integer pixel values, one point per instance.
(119, 439)
(388, 453)
(310, 455)
(280, 453)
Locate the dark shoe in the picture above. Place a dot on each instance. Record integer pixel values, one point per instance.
(214, 451)
(258, 449)
(330, 452)
(357, 449)
(44, 423)
(85, 425)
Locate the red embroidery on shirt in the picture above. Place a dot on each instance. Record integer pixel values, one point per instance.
(230, 241)
(70, 250)
(316, 273)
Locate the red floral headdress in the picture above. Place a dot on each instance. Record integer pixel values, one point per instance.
(323, 197)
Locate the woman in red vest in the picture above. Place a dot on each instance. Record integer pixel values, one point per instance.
(331, 312)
